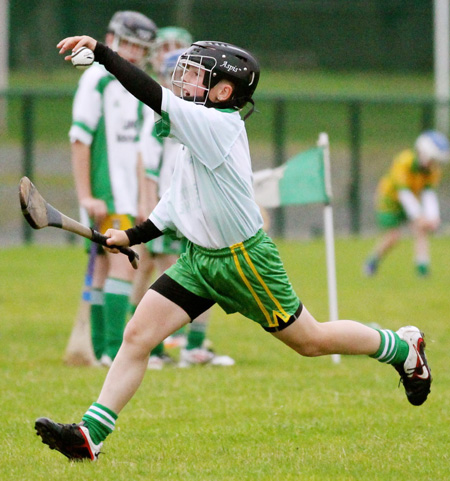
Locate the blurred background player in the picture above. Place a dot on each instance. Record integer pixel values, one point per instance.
(407, 194)
(158, 157)
(104, 134)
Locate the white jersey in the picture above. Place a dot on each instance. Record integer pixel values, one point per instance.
(108, 118)
(210, 200)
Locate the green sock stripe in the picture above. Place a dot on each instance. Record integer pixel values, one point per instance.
(391, 347)
(107, 410)
(402, 352)
(98, 415)
(387, 347)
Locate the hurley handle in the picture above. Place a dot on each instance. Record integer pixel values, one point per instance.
(133, 256)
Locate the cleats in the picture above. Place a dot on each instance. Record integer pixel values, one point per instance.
(201, 356)
(414, 373)
(72, 440)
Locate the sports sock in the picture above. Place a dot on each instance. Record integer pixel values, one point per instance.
(97, 322)
(196, 335)
(117, 293)
(392, 350)
(100, 421)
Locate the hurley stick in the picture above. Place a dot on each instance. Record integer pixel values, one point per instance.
(39, 214)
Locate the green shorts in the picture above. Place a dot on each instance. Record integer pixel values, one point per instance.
(247, 277)
(389, 213)
(390, 220)
(167, 244)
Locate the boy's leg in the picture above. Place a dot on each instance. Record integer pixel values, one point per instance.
(156, 317)
(117, 291)
(98, 304)
(403, 349)
(388, 241)
(421, 251)
(311, 338)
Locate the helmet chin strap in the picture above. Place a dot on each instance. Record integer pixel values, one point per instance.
(252, 109)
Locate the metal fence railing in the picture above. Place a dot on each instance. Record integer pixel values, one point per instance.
(364, 133)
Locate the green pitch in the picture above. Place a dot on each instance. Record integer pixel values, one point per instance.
(273, 416)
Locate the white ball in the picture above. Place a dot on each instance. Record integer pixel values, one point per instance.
(83, 58)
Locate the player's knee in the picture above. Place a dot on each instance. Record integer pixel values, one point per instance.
(309, 349)
(308, 346)
(132, 334)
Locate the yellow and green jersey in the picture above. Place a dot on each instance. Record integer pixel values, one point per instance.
(406, 173)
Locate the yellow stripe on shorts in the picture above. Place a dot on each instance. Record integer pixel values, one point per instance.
(273, 322)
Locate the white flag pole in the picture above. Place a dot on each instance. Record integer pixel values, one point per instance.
(329, 237)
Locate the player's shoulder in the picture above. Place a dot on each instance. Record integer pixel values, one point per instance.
(405, 158)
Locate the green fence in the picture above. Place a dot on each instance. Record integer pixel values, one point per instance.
(364, 134)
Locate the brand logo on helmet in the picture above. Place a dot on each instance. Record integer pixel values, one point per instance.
(229, 67)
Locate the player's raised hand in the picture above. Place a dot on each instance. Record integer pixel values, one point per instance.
(117, 238)
(75, 43)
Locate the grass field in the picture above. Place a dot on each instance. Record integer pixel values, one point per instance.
(273, 416)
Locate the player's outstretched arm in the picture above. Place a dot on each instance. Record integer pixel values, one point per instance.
(135, 80)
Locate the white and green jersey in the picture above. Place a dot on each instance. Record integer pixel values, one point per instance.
(108, 118)
(210, 200)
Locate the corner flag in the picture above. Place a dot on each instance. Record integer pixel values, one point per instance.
(301, 180)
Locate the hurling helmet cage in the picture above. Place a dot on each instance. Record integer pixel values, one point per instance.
(169, 63)
(133, 27)
(220, 61)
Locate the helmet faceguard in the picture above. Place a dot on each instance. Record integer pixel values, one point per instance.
(134, 28)
(197, 88)
(432, 145)
(219, 61)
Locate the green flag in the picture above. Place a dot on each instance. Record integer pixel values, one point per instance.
(301, 180)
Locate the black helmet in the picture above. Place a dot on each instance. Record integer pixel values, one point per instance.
(221, 61)
(134, 27)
